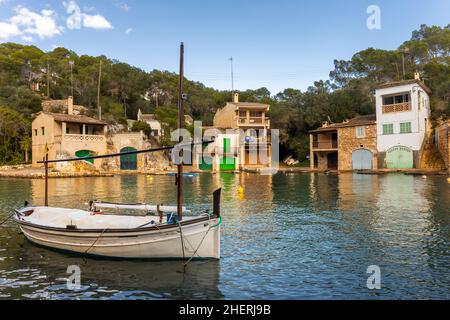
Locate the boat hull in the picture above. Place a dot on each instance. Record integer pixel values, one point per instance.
(201, 241)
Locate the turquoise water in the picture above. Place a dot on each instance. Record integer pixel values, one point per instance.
(295, 236)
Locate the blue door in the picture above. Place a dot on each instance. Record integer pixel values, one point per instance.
(362, 159)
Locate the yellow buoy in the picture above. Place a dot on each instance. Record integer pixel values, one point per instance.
(448, 180)
(240, 189)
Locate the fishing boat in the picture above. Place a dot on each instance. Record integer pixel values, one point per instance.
(160, 232)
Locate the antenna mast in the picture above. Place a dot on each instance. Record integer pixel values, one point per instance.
(232, 78)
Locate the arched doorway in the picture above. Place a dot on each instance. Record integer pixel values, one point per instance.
(362, 159)
(128, 161)
(85, 153)
(399, 157)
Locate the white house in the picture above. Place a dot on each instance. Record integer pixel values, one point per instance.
(154, 124)
(403, 113)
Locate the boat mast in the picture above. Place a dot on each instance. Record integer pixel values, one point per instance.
(179, 177)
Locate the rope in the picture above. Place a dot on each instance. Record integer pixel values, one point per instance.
(4, 221)
(95, 241)
(204, 236)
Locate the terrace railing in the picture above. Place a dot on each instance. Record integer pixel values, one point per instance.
(397, 107)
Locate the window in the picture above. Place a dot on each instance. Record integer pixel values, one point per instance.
(388, 128)
(67, 130)
(405, 127)
(401, 98)
(35, 132)
(255, 114)
(43, 130)
(360, 132)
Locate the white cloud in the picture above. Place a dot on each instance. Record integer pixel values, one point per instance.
(129, 30)
(27, 23)
(8, 30)
(96, 22)
(78, 19)
(27, 38)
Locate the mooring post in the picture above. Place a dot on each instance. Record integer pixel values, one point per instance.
(46, 179)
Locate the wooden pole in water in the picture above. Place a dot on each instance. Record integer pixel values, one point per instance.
(46, 179)
(179, 178)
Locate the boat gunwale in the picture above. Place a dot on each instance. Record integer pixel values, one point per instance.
(106, 230)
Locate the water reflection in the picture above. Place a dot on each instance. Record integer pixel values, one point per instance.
(287, 236)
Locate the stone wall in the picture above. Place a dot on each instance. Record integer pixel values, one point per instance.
(348, 142)
(443, 142)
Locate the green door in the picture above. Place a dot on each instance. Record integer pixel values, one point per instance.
(206, 164)
(227, 163)
(85, 153)
(128, 161)
(399, 157)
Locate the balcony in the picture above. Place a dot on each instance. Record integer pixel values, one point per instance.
(89, 138)
(325, 145)
(397, 107)
(253, 121)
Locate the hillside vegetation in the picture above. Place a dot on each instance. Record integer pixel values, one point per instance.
(125, 89)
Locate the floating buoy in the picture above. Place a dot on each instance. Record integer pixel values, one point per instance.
(448, 180)
(149, 178)
(240, 189)
(424, 177)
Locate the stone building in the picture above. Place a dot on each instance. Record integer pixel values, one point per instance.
(67, 135)
(61, 106)
(442, 140)
(350, 145)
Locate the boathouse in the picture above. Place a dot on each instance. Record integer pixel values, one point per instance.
(350, 145)
(403, 113)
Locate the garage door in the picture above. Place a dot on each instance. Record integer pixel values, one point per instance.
(399, 157)
(362, 159)
(128, 161)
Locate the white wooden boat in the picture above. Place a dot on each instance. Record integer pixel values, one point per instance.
(121, 236)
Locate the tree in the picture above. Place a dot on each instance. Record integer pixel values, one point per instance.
(15, 141)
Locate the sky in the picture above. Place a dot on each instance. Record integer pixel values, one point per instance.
(275, 44)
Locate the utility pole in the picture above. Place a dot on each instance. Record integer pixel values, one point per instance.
(71, 62)
(403, 51)
(48, 80)
(98, 92)
(180, 126)
(232, 79)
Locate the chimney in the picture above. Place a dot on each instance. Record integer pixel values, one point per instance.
(235, 97)
(416, 75)
(70, 105)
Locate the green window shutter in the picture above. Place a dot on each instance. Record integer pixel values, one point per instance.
(388, 128)
(405, 127)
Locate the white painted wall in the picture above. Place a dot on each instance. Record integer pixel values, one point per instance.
(417, 118)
